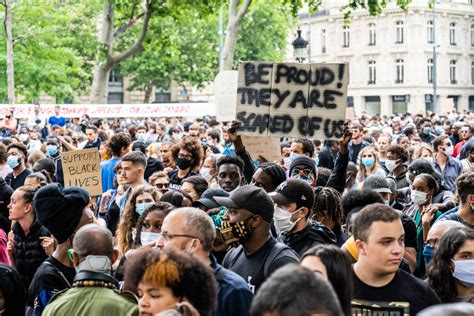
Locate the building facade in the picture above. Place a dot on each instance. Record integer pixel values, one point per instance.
(391, 55)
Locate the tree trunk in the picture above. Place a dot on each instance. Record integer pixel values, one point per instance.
(100, 85)
(8, 23)
(234, 25)
(148, 90)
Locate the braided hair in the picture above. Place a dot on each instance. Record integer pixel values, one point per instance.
(275, 171)
(327, 202)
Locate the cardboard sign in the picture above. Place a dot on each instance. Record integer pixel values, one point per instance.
(300, 100)
(82, 169)
(266, 147)
(225, 95)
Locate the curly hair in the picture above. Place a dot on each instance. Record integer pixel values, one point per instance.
(233, 160)
(184, 274)
(118, 141)
(193, 146)
(401, 153)
(164, 207)
(327, 202)
(129, 218)
(440, 269)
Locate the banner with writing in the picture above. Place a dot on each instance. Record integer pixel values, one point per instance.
(197, 109)
(290, 99)
(82, 169)
(266, 147)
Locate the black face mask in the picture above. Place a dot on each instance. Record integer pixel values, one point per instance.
(183, 163)
(236, 233)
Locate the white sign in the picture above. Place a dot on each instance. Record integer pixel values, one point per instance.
(225, 94)
(197, 109)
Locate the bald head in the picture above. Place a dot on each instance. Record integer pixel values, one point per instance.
(442, 226)
(93, 239)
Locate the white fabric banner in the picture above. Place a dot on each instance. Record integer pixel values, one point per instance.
(197, 109)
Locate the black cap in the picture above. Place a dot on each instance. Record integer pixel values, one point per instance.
(377, 183)
(294, 190)
(207, 198)
(250, 198)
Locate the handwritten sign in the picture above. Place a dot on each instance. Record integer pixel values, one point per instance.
(82, 169)
(266, 147)
(301, 100)
(189, 110)
(225, 95)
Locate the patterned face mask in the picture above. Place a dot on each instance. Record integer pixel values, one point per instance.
(236, 233)
(306, 175)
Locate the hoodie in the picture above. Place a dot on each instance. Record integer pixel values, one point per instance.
(310, 236)
(152, 165)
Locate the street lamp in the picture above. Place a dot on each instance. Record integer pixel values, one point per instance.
(299, 45)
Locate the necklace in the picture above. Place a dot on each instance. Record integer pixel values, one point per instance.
(92, 283)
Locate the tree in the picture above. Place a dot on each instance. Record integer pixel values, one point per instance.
(239, 8)
(8, 21)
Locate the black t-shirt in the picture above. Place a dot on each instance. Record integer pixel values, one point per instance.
(17, 181)
(175, 181)
(252, 267)
(410, 231)
(404, 295)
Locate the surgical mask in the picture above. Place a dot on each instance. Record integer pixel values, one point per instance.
(386, 202)
(13, 161)
(282, 220)
(428, 252)
(391, 165)
(101, 264)
(426, 130)
(205, 172)
(418, 197)
(316, 161)
(368, 162)
(236, 233)
(149, 237)
(177, 136)
(141, 137)
(293, 156)
(464, 272)
(34, 145)
(183, 163)
(430, 159)
(52, 150)
(141, 207)
(23, 137)
(287, 162)
(449, 151)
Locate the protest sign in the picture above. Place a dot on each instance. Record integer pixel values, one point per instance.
(225, 95)
(81, 168)
(188, 110)
(266, 147)
(289, 99)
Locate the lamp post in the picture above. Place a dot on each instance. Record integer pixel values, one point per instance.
(299, 45)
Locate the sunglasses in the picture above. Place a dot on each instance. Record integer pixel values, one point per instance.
(162, 185)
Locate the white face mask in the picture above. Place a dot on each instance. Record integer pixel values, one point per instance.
(418, 197)
(449, 151)
(149, 237)
(205, 173)
(282, 220)
(391, 165)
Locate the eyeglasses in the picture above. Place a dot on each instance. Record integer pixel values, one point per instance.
(433, 242)
(189, 157)
(162, 185)
(168, 236)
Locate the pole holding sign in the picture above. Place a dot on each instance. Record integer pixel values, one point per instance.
(82, 169)
(300, 100)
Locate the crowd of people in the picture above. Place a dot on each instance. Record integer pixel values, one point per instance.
(190, 223)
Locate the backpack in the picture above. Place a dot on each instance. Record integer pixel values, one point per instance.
(276, 250)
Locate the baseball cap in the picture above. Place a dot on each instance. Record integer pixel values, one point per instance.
(250, 198)
(207, 198)
(294, 190)
(377, 183)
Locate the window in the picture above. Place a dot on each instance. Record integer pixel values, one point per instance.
(472, 35)
(161, 97)
(452, 71)
(345, 36)
(372, 72)
(399, 32)
(115, 98)
(430, 32)
(323, 41)
(372, 34)
(430, 70)
(452, 34)
(400, 71)
(472, 72)
(115, 76)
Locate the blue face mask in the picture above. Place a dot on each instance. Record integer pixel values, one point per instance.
(52, 150)
(13, 161)
(464, 272)
(368, 162)
(141, 207)
(428, 253)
